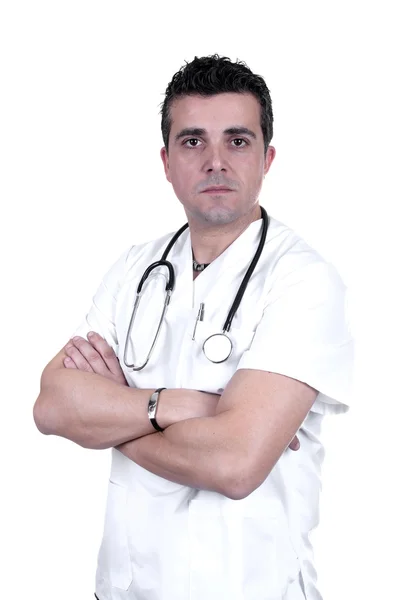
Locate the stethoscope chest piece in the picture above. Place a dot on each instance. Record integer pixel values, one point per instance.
(217, 348)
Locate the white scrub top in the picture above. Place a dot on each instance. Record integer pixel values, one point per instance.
(166, 541)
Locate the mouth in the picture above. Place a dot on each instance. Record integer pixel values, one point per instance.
(217, 190)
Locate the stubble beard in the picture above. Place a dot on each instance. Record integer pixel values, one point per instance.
(216, 215)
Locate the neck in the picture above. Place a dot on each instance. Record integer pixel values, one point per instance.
(209, 241)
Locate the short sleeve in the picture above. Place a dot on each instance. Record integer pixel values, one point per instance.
(101, 316)
(304, 334)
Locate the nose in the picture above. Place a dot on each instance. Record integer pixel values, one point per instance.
(214, 160)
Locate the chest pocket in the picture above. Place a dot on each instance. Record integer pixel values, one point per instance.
(201, 373)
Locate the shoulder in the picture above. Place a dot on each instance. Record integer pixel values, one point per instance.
(291, 261)
(150, 250)
(133, 257)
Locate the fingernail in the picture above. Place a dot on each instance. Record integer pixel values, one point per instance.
(90, 334)
(75, 339)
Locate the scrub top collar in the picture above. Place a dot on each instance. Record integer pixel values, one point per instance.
(240, 252)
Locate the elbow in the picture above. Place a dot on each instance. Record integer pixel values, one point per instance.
(42, 415)
(45, 408)
(53, 417)
(49, 421)
(40, 419)
(242, 480)
(237, 490)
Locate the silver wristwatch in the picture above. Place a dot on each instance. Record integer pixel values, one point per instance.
(152, 408)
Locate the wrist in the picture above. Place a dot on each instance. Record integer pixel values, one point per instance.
(173, 406)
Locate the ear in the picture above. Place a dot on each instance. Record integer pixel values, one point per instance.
(269, 157)
(165, 161)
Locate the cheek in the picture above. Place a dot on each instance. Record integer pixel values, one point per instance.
(251, 172)
(252, 178)
(257, 171)
(182, 176)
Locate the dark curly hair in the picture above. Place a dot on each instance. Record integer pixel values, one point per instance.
(211, 75)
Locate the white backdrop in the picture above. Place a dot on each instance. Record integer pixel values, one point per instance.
(81, 180)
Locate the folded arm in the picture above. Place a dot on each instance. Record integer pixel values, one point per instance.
(228, 445)
(93, 406)
(233, 451)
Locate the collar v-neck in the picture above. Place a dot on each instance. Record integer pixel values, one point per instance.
(236, 256)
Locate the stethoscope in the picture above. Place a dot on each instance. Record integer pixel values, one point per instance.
(217, 347)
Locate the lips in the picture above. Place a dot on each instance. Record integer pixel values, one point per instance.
(217, 189)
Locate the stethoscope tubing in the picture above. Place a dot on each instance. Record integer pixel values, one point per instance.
(171, 284)
(249, 272)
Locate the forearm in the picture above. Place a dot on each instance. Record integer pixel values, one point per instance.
(97, 413)
(200, 453)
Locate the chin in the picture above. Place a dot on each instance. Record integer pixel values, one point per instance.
(217, 215)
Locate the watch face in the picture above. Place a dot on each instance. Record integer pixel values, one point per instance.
(152, 405)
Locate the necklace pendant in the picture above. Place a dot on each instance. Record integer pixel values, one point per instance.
(199, 267)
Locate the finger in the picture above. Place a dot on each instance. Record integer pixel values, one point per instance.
(91, 355)
(106, 351)
(78, 358)
(295, 443)
(69, 364)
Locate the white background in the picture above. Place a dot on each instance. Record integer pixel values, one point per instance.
(81, 180)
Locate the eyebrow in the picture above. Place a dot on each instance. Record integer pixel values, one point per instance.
(198, 131)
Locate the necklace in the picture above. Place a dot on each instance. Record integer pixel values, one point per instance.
(197, 266)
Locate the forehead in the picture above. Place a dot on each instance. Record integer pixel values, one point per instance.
(216, 112)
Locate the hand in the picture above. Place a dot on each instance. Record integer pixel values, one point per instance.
(94, 356)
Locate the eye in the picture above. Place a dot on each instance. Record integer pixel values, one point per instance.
(242, 143)
(187, 143)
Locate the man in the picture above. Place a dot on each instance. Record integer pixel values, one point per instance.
(206, 498)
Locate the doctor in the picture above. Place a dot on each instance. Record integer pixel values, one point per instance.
(206, 501)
